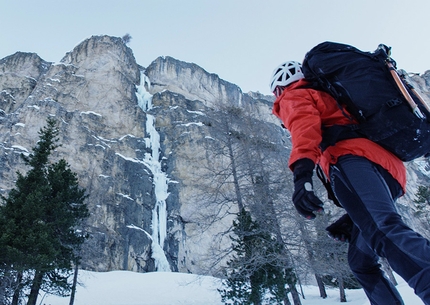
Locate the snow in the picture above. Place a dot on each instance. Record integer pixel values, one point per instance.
(130, 159)
(171, 288)
(125, 196)
(193, 123)
(127, 136)
(91, 112)
(196, 112)
(134, 227)
(20, 148)
(101, 146)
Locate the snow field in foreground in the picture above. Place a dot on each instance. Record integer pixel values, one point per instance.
(169, 288)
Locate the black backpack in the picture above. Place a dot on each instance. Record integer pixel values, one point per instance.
(361, 83)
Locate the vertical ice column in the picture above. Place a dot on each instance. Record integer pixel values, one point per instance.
(160, 182)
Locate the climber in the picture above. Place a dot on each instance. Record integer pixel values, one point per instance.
(366, 180)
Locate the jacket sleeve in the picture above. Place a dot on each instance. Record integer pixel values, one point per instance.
(298, 111)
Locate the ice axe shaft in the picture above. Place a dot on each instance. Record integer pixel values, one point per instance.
(420, 98)
(404, 91)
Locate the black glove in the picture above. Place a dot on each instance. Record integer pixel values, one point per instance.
(304, 198)
(341, 229)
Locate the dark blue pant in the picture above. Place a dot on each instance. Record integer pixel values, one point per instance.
(368, 194)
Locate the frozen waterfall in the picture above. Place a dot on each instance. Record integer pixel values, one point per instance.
(160, 180)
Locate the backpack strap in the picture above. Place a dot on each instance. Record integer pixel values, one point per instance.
(333, 134)
(327, 185)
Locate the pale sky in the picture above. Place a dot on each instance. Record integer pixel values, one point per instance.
(241, 41)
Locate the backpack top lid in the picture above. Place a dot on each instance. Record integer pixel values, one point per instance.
(357, 80)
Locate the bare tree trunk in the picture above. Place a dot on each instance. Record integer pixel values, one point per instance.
(35, 287)
(287, 301)
(2, 292)
(255, 297)
(17, 289)
(342, 290)
(321, 286)
(295, 295)
(75, 281)
(5, 285)
(301, 288)
(235, 176)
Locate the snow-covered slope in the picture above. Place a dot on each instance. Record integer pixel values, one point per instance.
(161, 288)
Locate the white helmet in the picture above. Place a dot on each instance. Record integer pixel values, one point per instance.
(285, 74)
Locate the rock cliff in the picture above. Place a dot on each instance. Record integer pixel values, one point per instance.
(129, 133)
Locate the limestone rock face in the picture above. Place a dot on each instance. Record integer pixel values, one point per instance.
(191, 81)
(144, 142)
(102, 130)
(130, 134)
(19, 75)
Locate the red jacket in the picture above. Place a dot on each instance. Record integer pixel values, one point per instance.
(304, 110)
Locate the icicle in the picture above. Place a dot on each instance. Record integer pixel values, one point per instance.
(160, 180)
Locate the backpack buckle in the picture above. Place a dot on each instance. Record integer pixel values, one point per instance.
(393, 102)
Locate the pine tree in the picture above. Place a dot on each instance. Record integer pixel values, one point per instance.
(38, 221)
(126, 38)
(422, 212)
(422, 200)
(253, 274)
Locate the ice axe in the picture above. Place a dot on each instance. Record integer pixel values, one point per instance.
(400, 83)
